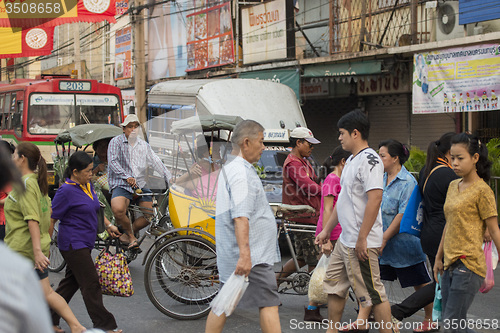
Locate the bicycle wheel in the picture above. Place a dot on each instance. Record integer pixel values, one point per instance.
(57, 261)
(181, 277)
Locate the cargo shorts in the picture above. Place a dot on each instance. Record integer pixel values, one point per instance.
(305, 248)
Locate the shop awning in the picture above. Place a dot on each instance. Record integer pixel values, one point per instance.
(344, 69)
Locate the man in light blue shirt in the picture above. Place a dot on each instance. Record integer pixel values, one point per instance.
(245, 230)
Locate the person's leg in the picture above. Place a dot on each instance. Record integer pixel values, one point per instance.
(416, 301)
(59, 305)
(336, 306)
(382, 313)
(81, 263)
(214, 323)
(67, 289)
(289, 266)
(119, 206)
(143, 221)
(459, 286)
(336, 285)
(270, 319)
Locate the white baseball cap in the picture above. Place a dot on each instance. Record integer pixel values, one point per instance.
(131, 118)
(304, 133)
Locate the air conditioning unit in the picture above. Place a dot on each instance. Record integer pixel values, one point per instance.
(59, 62)
(447, 26)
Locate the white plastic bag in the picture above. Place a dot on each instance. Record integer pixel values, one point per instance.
(230, 295)
(494, 255)
(315, 292)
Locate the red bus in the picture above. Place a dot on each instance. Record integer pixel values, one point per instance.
(36, 110)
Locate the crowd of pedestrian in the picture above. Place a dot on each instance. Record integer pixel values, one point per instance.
(360, 197)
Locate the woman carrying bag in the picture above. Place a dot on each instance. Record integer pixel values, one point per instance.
(76, 206)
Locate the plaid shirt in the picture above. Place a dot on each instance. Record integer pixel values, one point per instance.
(125, 161)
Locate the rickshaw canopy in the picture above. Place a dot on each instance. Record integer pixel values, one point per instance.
(86, 134)
(205, 123)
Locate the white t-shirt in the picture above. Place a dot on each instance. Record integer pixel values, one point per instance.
(362, 173)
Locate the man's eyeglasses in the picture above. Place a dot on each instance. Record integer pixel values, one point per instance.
(310, 144)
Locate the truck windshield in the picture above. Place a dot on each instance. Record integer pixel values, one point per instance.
(52, 113)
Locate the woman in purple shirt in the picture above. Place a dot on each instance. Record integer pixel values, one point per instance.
(76, 206)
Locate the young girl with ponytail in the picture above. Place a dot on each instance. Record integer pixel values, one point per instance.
(469, 209)
(27, 215)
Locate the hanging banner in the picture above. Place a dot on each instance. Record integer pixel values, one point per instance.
(123, 53)
(209, 36)
(32, 13)
(121, 7)
(167, 39)
(17, 42)
(457, 80)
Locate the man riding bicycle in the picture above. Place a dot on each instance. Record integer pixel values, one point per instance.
(128, 159)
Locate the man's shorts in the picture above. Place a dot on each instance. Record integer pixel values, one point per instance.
(411, 276)
(305, 249)
(120, 192)
(345, 270)
(262, 290)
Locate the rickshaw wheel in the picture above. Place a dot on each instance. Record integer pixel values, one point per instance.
(57, 262)
(181, 277)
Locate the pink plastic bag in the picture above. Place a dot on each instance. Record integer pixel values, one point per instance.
(489, 281)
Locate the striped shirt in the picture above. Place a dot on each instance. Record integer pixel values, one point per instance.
(240, 194)
(126, 160)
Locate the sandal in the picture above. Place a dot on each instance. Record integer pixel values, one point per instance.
(134, 245)
(352, 328)
(427, 327)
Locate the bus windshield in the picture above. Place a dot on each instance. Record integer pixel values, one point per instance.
(53, 113)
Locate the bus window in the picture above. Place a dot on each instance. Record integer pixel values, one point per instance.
(49, 114)
(101, 109)
(12, 110)
(2, 120)
(17, 118)
(5, 109)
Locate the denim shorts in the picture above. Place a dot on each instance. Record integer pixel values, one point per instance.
(121, 192)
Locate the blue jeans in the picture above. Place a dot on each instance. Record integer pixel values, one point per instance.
(459, 285)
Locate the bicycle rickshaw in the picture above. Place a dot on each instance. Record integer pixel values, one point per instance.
(82, 137)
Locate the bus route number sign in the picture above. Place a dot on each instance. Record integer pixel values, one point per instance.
(74, 86)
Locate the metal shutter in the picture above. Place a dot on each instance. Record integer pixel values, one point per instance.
(389, 118)
(429, 127)
(322, 116)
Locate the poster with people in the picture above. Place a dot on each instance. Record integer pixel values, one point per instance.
(209, 35)
(167, 39)
(457, 80)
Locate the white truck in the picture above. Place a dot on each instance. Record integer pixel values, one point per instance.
(272, 104)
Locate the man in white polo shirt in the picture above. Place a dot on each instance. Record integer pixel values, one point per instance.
(354, 261)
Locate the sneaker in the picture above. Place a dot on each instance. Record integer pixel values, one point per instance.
(312, 315)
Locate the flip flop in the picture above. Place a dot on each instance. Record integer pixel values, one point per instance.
(134, 245)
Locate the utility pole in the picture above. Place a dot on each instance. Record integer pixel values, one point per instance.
(414, 21)
(76, 45)
(140, 60)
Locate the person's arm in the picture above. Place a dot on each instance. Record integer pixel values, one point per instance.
(331, 223)
(371, 212)
(111, 229)
(494, 231)
(241, 229)
(298, 174)
(41, 261)
(391, 231)
(438, 265)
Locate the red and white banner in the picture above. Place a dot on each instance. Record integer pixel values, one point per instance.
(50, 13)
(18, 42)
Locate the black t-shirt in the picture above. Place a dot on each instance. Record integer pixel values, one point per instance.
(434, 198)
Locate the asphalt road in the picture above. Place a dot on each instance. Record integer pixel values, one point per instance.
(138, 314)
